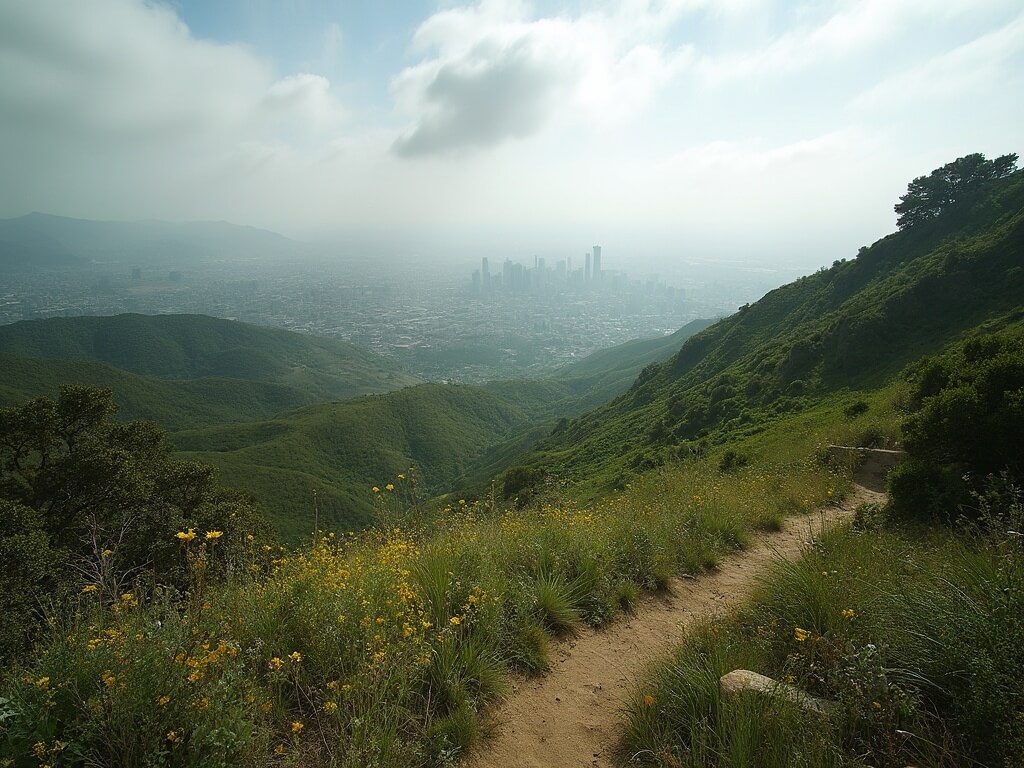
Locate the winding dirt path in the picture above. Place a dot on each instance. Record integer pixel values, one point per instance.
(570, 716)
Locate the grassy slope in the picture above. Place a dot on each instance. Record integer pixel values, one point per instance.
(848, 327)
(343, 449)
(196, 346)
(173, 405)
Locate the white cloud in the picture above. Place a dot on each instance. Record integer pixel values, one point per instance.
(987, 62)
(495, 74)
(120, 90)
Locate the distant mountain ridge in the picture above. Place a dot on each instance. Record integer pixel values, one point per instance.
(40, 240)
(197, 347)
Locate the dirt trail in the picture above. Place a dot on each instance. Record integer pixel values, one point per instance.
(570, 717)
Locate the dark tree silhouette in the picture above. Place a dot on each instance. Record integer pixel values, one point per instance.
(928, 196)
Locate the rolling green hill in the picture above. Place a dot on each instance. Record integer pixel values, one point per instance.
(197, 346)
(173, 405)
(344, 449)
(848, 327)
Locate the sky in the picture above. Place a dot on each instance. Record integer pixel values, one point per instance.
(748, 131)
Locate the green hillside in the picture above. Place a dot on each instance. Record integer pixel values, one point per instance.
(197, 346)
(851, 326)
(344, 449)
(174, 405)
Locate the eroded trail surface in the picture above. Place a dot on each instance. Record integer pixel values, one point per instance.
(570, 717)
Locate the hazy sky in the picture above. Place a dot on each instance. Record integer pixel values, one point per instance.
(731, 128)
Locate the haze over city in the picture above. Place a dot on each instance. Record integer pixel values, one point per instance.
(747, 131)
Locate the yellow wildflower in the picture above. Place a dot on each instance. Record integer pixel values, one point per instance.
(163, 701)
(279, 749)
(89, 588)
(186, 535)
(455, 620)
(876, 705)
(389, 487)
(211, 535)
(297, 727)
(401, 476)
(43, 682)
(295, 656)
(330, 706)
(39, 749)
(849, 613)
(800, 634)
(173, 737)
(376, 489)
(276, 663)
(109, 679)
(107, 553)
(648, 700)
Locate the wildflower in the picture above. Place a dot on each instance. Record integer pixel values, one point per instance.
(276, 663)
(106, 553)
(128, 597)
(471, 599)
(330, 706)
(109, 679)
(876, 705)
(648, 700)
(163, 701)
(39, 749)
(295, 656)
(455, 620)
(462, 502)
(401, 476)
(389, 487)
(376, 489)
(849, 613)
(297, 727)
(203, 703)
(43, 682)
(89, 588)
(173, 737)
(800, 634)
(279, 749)
(186, 535)
(211, 535)
(248, 537)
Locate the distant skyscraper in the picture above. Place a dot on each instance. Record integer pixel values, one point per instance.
(586, 268)
(485, 274)
(597, 262)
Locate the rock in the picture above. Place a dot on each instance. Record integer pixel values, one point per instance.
(740, 680)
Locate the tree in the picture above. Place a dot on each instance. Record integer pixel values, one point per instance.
(88, 501)
(928, 196)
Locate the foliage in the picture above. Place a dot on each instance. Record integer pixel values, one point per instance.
(929, 196)
(966, 421)
(89, 501)
(917, 641)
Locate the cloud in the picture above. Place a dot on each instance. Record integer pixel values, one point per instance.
(120, 93)
(989, 61)
(854, 26)
(496, 75)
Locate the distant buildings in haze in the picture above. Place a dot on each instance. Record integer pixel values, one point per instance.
(519, 278)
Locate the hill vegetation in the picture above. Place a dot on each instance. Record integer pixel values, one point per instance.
(852, 326)
(197, 346)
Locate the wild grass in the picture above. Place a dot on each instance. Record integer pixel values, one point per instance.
(915, 635)
(380, 648)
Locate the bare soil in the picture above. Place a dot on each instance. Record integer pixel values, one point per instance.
(571, 716)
